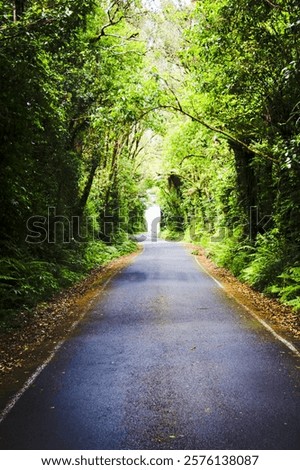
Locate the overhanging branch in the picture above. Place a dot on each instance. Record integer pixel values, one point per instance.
(231, 138)
(273, 5)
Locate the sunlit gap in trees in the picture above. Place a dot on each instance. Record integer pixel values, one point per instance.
(156, 5)
(153, 217)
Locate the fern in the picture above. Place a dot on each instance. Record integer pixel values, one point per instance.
(265, 263)
(288, 289)
(7, 278)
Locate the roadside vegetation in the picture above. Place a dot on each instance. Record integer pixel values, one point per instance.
(233, 148)
(102, 100)
(72, 91)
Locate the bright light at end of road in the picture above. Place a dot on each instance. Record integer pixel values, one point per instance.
(153, 216)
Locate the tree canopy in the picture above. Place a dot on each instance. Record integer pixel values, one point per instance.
(236, 159)
(92, 91)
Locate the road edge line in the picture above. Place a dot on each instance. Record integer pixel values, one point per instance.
(287, 343)
(207, 272)
(13, 401)
(16, 397)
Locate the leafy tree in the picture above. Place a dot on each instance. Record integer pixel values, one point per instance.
(72, 118)
(241, 84)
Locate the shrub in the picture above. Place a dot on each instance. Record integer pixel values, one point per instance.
(288, 287)
(230, 252)
(266, 262)
(25, 282)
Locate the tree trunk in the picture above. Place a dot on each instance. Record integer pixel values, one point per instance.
(247, 186)
(88, 186)
(18, 9)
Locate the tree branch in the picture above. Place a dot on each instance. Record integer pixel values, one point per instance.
(190, 156)
(220, 131)
(273, 5)
(231, 138)
(108, 25)
(210, 127)
(28, 26)
(115, 16)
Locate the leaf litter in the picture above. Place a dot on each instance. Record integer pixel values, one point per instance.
(24, 348)
(283, 319)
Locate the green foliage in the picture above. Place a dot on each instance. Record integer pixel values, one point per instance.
(24, 283)
(78, 99)
(27, 279)
(170, 235)
(266, 262)
(288, 287)
(230, 253)
(237, 160)
(73, 95)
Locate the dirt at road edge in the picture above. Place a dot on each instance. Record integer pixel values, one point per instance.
(26, 348)
(284, 320)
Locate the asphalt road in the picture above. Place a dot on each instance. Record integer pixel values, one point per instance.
(164, 361)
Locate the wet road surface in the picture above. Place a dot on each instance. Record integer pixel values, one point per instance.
(165, 360)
